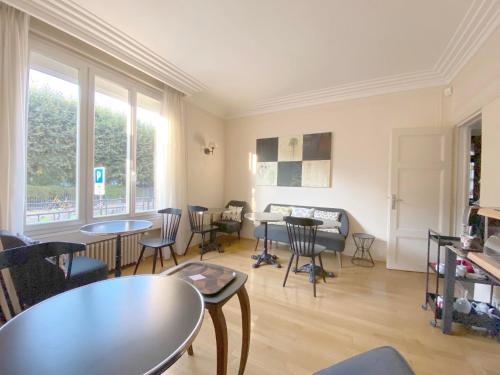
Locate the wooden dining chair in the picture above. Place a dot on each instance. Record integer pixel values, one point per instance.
(302, 239)
(198, 226)
(31, 274)
(84, 270)
(170, 226)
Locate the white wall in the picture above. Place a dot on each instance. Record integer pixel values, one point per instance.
(360, 166)
(477, 89)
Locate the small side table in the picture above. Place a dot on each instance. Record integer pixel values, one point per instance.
(214, 304)
(363, 244)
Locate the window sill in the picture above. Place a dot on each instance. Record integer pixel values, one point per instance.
(70, 232)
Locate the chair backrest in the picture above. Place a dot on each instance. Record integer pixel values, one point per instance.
(241, 204)
(302, 234)
(9, 302)
(196, 217)
(170, 224)
(33, 275)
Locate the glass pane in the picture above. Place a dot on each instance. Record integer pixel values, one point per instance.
(148, 118)
(52, 142)
(111, 114)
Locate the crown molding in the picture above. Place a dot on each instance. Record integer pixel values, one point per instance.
(361, 89)
(480, 20)
(82, 24)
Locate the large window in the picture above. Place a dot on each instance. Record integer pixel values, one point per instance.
(148, 120)
(52, 142)
(111, 145)
(91, 142)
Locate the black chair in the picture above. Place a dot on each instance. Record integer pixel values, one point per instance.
(198, 226)
(302, 240)
(84, 270)
(35, 272)
(232, 226)
(169, 228)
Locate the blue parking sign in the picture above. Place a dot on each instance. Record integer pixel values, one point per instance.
(99, 181)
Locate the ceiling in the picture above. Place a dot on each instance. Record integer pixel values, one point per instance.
(251, 56)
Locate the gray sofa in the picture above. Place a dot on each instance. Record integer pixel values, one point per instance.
(332, 241)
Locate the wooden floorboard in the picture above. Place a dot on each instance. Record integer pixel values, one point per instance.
(361, 308)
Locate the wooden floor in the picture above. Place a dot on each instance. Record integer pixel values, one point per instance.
(360, 309)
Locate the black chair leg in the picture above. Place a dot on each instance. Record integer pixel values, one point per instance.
(155, 258)
(239, 235)
(297, 264)
(322, 268)
(202, 248)
(257, 244)
(189, 243)
(314, 275)
(139, 260)
(161, 257)
(288, 269)
(173, 254)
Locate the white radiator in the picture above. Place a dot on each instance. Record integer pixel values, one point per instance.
(105, 250)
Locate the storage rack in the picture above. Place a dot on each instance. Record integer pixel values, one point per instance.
(440, 241)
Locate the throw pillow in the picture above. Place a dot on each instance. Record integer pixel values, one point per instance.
(302, 212)
(233, 214)
(327, 215)
(282, 210)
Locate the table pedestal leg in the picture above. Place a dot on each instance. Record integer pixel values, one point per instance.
(246, 323)
(318, 271)
(265, 257)
(118, 256)
(220, 337)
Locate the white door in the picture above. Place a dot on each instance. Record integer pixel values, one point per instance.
(420, 192)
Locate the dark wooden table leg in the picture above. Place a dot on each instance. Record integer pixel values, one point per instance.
(118, 256)
(220, 337)
(246, 323)
(190, 350)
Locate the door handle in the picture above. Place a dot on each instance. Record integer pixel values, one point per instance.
(394, 201)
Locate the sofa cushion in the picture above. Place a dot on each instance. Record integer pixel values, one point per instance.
(327, 215)
(302, 212)
(282, 210)
(332, 241)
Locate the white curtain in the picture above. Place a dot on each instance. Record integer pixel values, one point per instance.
(171, 159)
(14, 28)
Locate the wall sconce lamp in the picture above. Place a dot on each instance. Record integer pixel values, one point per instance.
(209, 150)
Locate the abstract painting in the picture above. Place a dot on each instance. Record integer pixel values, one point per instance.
(297, 161)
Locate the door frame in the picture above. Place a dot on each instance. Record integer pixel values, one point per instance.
(462, 134)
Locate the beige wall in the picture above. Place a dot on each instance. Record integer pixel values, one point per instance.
(476, 89)
(205, 172)
(490, 156)
(360, 169)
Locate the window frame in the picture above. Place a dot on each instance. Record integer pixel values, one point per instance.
(88, 69)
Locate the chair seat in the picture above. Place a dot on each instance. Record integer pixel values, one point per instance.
(85, 270)
(206, 229)
(380, 361)
(229, 226)
(318, 249)
(156, 242)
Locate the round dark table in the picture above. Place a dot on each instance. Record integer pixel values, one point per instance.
(130, 325)
(118, 228)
